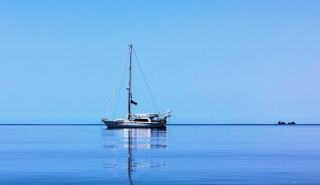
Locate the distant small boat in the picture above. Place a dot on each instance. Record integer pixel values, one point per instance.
(281, 123)
(145, 120)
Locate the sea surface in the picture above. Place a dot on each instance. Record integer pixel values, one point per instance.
(179, 154)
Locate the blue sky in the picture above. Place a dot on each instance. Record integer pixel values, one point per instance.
(219, 62)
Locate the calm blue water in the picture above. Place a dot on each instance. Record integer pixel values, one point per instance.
(180, 154)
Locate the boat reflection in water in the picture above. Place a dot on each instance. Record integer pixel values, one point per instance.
(135, 150)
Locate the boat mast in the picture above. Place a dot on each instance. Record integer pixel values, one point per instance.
(129, 88)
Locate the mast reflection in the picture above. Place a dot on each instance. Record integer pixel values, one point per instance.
(121, 141)
(129, 157)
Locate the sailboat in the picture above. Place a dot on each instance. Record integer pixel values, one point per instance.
(133, 120)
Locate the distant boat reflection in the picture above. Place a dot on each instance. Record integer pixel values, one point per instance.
(128, 141)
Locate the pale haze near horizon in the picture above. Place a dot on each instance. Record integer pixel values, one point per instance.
(217, 62)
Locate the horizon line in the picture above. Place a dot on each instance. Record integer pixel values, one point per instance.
(176, 124)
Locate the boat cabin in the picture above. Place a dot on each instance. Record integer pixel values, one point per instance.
(146, 117)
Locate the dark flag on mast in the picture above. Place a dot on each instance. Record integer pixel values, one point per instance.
(133, 102)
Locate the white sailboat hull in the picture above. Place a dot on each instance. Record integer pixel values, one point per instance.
(133, 124)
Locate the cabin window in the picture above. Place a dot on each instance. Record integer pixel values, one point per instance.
(141, 120)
